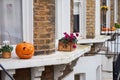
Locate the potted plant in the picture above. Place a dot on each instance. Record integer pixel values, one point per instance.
(6, 49)
(104, 8)
(117, 25)
(68, 42)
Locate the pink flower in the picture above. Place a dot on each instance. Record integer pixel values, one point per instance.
(69, 38)
(74, 46)
(66, 35)
(71, 34)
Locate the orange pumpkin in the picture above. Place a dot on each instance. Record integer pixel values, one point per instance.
(24, 50)
(113, 28)
(104, 29)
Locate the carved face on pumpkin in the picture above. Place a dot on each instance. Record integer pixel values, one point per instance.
(24, 50)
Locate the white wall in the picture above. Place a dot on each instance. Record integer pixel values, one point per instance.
(88, 65)
(69, 76)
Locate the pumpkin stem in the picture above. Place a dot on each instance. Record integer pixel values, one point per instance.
(24, 42)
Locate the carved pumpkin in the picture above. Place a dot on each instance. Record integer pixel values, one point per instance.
(24, 50)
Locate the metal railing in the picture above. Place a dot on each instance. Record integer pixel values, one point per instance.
(114, 51)
(5, 71)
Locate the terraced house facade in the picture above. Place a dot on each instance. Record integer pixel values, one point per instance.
(43, 22)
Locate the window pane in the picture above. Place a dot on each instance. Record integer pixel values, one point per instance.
(11, 21)
(76, 23)
(76, 18)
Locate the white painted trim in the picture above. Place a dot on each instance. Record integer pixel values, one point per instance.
(27, 9)
(97, 39)
(97, 18)
(62, 17)
(66, 16)
(57, 58)
(82, 17)
(58, 19)
(115, 11)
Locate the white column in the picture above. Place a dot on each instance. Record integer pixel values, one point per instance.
(5, 76)
(58, 71)
(62, 17)
(97, 18)
(36, 73)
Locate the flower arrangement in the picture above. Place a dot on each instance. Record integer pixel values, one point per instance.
(6, 49)
(69, 38)
(104, 8)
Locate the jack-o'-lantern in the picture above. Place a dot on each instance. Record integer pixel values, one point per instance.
(24, 50)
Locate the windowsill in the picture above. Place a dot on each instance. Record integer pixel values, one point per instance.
(59, 57)
(97, 39)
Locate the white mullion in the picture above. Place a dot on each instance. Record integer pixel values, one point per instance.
(108, 14)
(115, 11)
(58, 18)
(97, 18)
(27, 11)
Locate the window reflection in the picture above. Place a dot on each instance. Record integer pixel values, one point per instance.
(11, 20)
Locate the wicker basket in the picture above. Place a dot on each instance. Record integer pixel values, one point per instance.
(65, 47)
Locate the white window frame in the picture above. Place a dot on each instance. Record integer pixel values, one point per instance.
(97, 18)
(108, 14)
(27, 12)
(82, 17)
(62, 19)
(115, 11)
(27, 18)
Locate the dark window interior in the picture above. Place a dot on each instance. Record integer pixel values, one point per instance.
(76, 23)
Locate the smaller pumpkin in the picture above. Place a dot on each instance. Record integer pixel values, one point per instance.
(24, 50)
(113, 28)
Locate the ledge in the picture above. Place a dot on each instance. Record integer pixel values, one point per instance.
(97, 39)
(56, 58)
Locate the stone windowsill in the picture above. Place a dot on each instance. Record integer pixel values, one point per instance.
(97, 39)
(59, 57)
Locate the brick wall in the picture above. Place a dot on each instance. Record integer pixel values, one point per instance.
(90, 18)
(72, 18)
(44, 26)
(22, 74)
(112, 13)
(44, 31)
(48, 74)
(118, 11)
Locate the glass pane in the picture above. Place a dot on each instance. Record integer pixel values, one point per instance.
(76, 17)
(76, 23)
(11, 21)
(103, 16)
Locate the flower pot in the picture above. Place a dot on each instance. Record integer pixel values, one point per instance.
(66, 47)
(6, 55)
